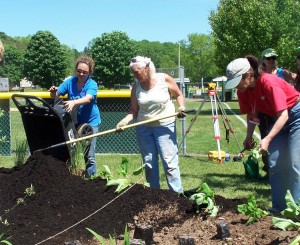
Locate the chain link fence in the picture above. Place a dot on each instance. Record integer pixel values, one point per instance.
(5, 128)
(112, 111)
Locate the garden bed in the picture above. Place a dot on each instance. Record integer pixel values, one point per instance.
(64, 205)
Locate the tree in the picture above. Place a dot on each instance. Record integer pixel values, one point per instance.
(13, 64)
(242, 27)
(164, 55)
(112, 53)
(45, 60)
(197, 57)
(71, 57)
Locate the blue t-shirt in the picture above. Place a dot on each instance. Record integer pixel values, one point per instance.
(88, 113)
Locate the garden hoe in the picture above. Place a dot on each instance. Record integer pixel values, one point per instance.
(106, 132)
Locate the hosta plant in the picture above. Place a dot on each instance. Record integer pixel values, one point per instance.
(205, 197)
(123, 182)
(291, 214)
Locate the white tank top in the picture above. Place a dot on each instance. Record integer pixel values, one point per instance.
(155, 102)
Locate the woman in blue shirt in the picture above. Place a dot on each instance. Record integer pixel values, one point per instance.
(82, 95)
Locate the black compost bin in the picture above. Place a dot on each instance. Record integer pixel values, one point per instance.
(46, 125)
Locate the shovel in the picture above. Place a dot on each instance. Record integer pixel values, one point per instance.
(107, 132)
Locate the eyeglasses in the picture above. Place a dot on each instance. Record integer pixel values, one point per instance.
(79, 71)
(271, 58)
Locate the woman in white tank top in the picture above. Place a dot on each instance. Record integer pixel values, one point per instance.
(151, 97)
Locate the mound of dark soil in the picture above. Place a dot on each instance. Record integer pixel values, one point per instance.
(64, 205)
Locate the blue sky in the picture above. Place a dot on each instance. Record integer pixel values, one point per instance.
(76, 22)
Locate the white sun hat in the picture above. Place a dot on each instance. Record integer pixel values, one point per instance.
(235, 70)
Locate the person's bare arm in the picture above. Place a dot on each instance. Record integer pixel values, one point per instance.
(174, 90)
(282, 117)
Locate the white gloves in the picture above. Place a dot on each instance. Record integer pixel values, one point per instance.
(181, 113)
(120, 126)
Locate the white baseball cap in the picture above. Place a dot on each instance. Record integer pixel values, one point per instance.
(235, 70)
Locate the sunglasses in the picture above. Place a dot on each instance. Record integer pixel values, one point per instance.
(79, 71)
(271, 58)
(134, 60)
(298, 57)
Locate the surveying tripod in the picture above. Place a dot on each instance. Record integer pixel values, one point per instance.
(214, 101)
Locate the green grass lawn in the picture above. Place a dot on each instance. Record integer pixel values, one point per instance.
(226, 179)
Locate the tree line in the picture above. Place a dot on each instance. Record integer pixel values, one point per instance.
(239, 28)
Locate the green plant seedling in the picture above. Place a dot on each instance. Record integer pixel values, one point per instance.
(124, 182)
(4, 241)
(106, 173)
(111, 240)
(121, 183)
(28, 192)
(252, 209)
(205, 196)
(124, 167)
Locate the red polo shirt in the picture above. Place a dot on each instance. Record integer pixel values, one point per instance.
(270, 95)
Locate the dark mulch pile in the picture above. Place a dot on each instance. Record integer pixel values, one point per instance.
(65, 205)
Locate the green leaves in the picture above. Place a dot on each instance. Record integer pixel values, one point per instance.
(124, 167)
(271, 23)
(252, 209)
(204, 196)
(112, 53)
(285, 224)
(121, 183)
(292, 211)
(100, 238)
(4, 241)
(111, 240)
(45, 60)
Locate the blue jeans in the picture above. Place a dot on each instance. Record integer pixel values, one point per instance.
(284, 161)
(90, 158)
(161, 140)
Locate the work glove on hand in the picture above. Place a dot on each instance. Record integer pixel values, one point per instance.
(181, 113)
(120, 126)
